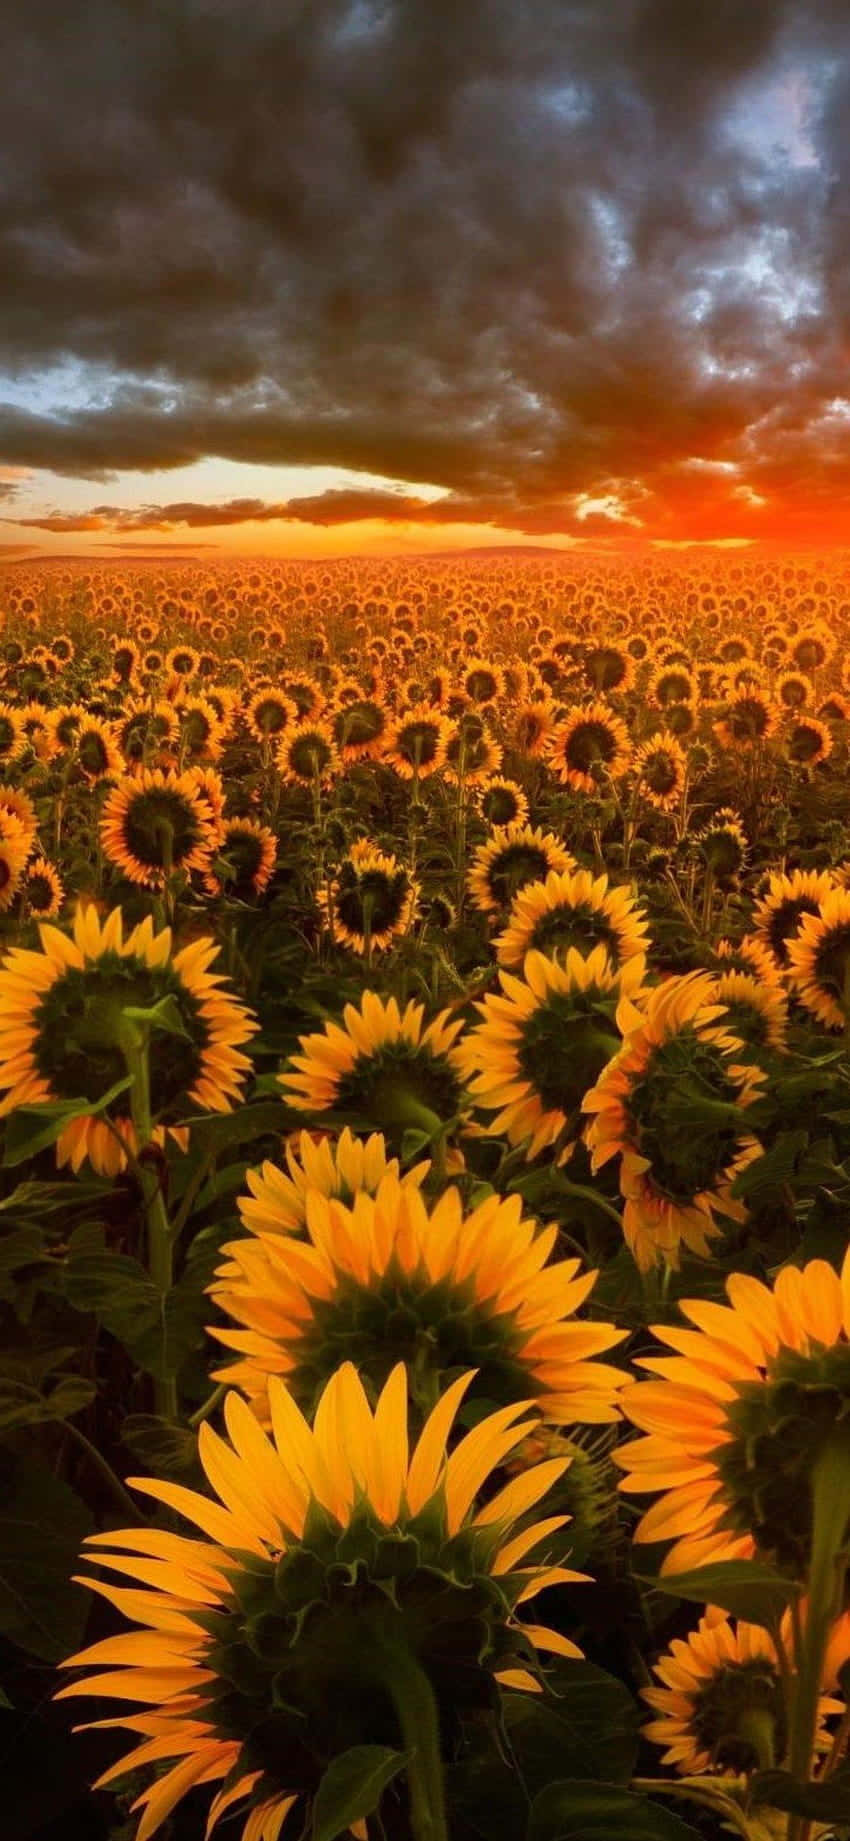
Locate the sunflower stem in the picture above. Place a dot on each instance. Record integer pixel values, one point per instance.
(134, 1046)
(830, 1516)
(416, 1709)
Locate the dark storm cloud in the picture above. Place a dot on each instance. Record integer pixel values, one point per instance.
(517, 252)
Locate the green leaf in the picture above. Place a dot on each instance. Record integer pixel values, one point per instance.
(745, 1588)
(23, 1405)
(220, 1131)
(159, 1444)
(352, 1787)
(164, 1015)
(157, 1329)
(42, 1526)
(586, 1723)
(33, 1128)
(821, 1802)
(575, 1811)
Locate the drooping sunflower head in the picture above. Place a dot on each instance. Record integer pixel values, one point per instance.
(819, 958)
(384, 1066)
(307, 755)
(245, 859)
(660, 765)
(720, 1704)
(502, 802)
(779, 914)
(572, 908)
(340, 1571)
(807, 741)
(416, 744)
(588, 747)
(340, 1168)
(42, 888)
(745, 1421)
(670, 1106)
(513, 855)
(390, 1278)
(61, 1013)
(749, 718)
(157, 822)
(722, 844)
(544, 1041)
(371, 902)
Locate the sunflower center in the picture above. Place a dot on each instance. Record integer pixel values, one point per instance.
(660, 773)
(565, 1044)
(39, 893)
(722, 851)
(271, 715)
(784, 922)
(92, 753)
(500, 805)
(683, 1165)
(75, 1032)
(481, 685)
(309, 756)
(417, 742)
(150, 816)
(779, 1428)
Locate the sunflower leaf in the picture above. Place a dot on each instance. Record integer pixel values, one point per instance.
(820, 1802)
(352, 1787)
(32, 1128)
(745, 1588)
(579, 1811)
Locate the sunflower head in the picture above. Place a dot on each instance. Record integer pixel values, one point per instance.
(513, 855)
(349, 1590)
(384, 1066)
(820, 960)
(156, 823)
(572, 908)
(778, 916)
(502, 802)
(371, 902)
(590, 745)
(722, 844)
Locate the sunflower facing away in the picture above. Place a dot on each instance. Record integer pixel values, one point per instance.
(544, 1042)
(777, 917)
(738, 1418)
(372, 900)
(573, 908)
(345, 1590)
(277, 1203)
(60, 1012)
(669, 1106)
(388, 1278)
(720, 1706)
(513, 855)
(382, 1065)
(155, 823)
(820, 960)
(592, 744)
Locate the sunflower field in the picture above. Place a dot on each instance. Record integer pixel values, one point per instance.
(425, 1199)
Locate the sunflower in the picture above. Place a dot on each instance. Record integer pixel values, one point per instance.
(14, 850)
(17, 804)
(722, 844)
(472, 753)
(777, 917)
(61, 727)
(383, 1066)
(756, 1007)
(535, 722)
(721, 1692)
(389, 1278)
(501, 802)
(591, 744)
(246, 855)
(13, 735)
(807, 742)
(182, 662)
(341, 1168)
(97, 754)
(668, 1106)
(307, 755)
(482, 681)
(416, 743)
(341, 1579)
(60, 1012)
(749, 718)
(660, 765)
(155, 823)
(794, 690)
(201, 730)
(544, 1042)
(359, 727)
(372, 900)
(738, 1420)
(305, 692)
(149, 728)
(834, 708)
(513, 855)
(819, 958)
(42, 889)
(608, 668)
(270, 714)
(672, 684)
(572, 908)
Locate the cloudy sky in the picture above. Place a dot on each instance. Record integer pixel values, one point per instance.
(317, 277)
